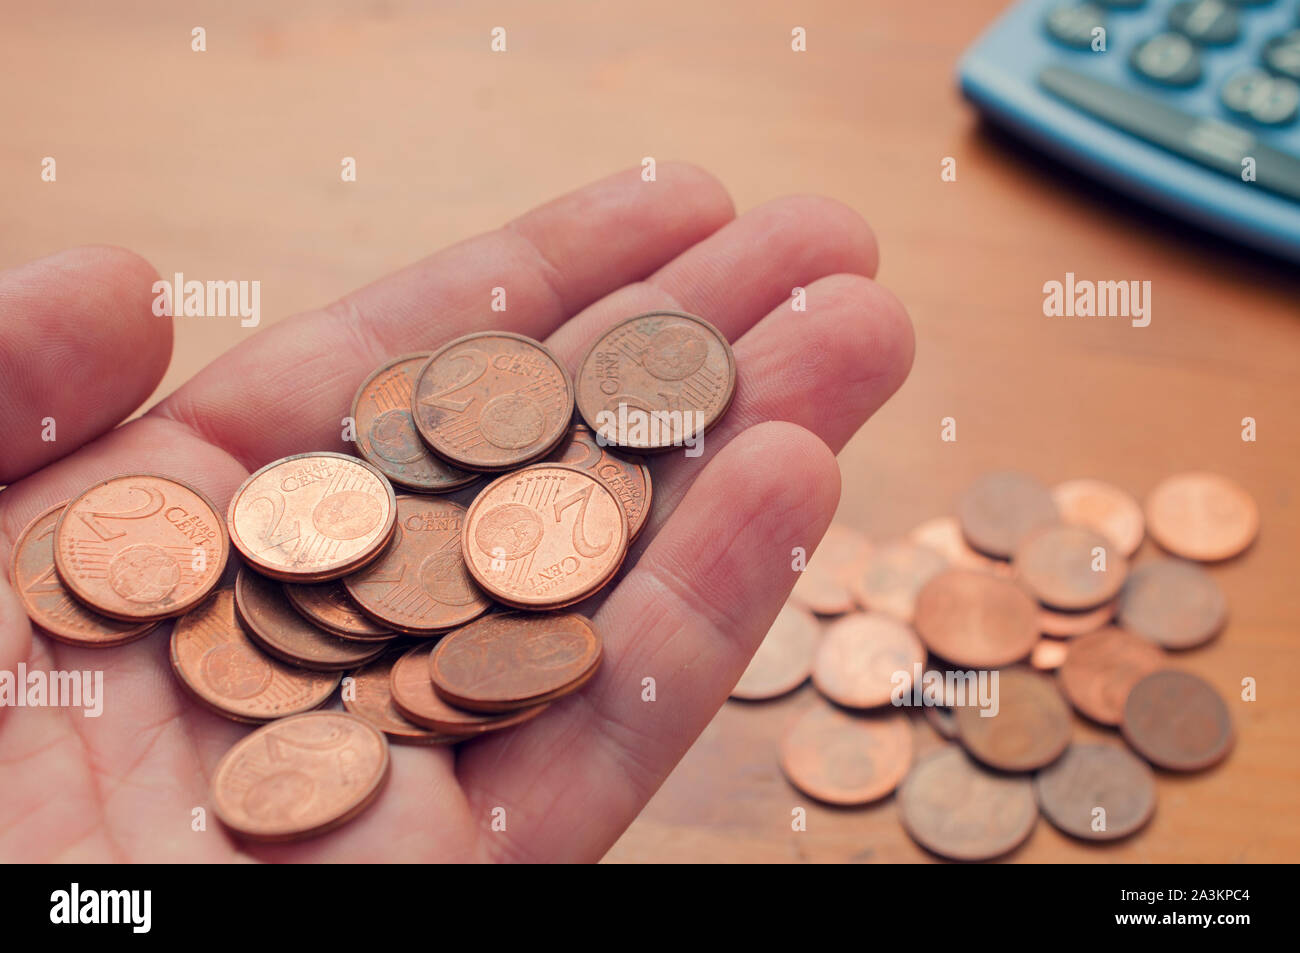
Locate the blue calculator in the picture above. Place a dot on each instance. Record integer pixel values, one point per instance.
(1189, 105)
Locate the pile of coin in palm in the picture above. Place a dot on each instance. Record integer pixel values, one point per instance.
(426, 582)
(1037, 586)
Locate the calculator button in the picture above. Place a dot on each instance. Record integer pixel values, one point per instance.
(1212, 143)
(1254, 94)
(1282, 54)
(1168, 58)
(1073, 24)
(1211, 22)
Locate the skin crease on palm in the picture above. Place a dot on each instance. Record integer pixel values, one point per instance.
(79, 342)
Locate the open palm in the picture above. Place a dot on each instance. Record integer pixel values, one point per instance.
(78, 343)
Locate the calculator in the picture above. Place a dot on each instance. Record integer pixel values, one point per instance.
(1192, 106)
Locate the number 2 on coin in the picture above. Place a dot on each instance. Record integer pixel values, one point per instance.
(151, 506)
(477, 362)
(581, 497)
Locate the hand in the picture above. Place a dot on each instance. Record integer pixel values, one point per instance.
(79, 343)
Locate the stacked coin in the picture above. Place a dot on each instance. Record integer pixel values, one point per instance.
(1023, 582)
(441, 618)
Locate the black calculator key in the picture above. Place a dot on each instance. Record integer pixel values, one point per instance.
(1210, 142)
(1282, 54)
(1168, 58)
(1073, 24)
(1211, 22)
(1263, 97)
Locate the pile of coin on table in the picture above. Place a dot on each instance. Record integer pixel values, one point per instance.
(443, 602)
(1024, 581)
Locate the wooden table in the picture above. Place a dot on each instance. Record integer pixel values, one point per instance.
(225, 164)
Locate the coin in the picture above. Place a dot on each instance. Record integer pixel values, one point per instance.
(312, 517)
(953, 807)
(1102, 669)
(514, 660)
(1104, 509)
(975, 619)
(544, 537)
(300, 776)
(1067, 625)
(823, 585)
(140, 547)
(1173, 603)
(893, 574)
(1070, 567)
(625, 476)
(784, 660)
(216, 661)
(943, 535)
(385, 432)
(1202, 516)
(276, 628)
(999, 510)
(657, 380)
(1177, 721)
(414, 697)
(842, 758)
(419, 584)
(492, 401)
(49, 604)
(864, 658)
(1049, 654)
(1097, 792)
(1029, 728)
(328, 605)
(371, 698)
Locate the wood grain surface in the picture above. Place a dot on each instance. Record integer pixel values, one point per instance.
(225, 164)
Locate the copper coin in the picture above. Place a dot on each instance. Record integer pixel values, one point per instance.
(216, 661)
(300, 776)
(1104, 509)
(975, 619)
(140, 547)
(329, 606)
(1173, 603)
(414, 697)
(842, 758)
(1070, 567)
(999, 510)
(943, 535)
(625, 476)
(419, 585)
(544, 537)
(656, 381)
(1102, 669)
(1202, 516)
(864, 658)
(492, 401)
(1067, 625)
(1030, 729)
(312, 517)
(893, 574)
(277, 628)
(1177, 721)
(371, 698)
(1049, 654)
(953, 807)
(784, 660)
(1088, 777)
(49, 604)
(824, 584)
(514, 660)
(386, 434)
